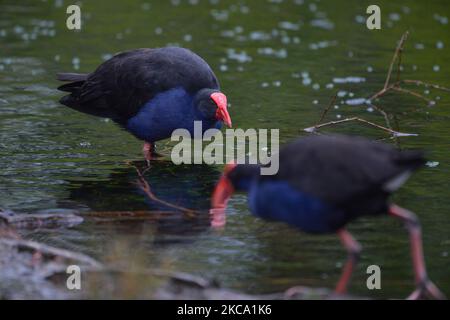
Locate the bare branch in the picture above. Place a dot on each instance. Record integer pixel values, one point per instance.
(364, 121)
(147, 190)
(397, 53)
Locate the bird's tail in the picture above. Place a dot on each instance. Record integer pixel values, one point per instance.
(76, 81)
(67, 76)
(412, 159)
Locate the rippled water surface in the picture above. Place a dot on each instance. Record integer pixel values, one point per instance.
(280, 63)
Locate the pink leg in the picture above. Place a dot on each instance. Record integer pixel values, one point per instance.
(353, 250)
(423, 284)
(148, 150)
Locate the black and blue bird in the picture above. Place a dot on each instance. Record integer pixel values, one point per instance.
(150, 93)
(325, 182)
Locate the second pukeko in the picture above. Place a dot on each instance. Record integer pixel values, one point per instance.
(150, 93)
(323, 183)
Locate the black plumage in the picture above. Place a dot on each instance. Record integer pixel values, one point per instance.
(349, 173)
(120, 86)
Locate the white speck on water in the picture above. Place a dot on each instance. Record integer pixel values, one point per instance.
(223, 67)
(436, 68)
(356, 101)
(288, 25)
(264, 84)
(426, 92)
(431, 103)
(438, 98)
(322, 44)
(316, 86)
(341, 93)
(187, 37)
(57, 58)
(322, 23)
(349, 80)
(244, 9)
(444, 254)
(414, 67)
(351, 94)
(312, 7)
(85, 144)
(360, 19)
(306, 81)
(419, 46)
(440, 45)
(315, 101)
(238, 29)
(369, 69)
(440, 19)
(369, 109)
(158, 30)
(338, 116)
(18, 29)
(227, 33)
(276, 83)
(281, 53)
(329, 86)
(219, 15)
(259, 36)
(432, 164)
(394, 16)
(336, 107)
(285, 40)
(241, 57)
(296, 40)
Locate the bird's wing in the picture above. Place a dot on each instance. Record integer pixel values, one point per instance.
(338, 169)
(124, 83)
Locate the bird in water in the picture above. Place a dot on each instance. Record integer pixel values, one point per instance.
(325, 182)
(150, 93)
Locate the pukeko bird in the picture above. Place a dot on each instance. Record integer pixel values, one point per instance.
(323, 183)
(150, 93)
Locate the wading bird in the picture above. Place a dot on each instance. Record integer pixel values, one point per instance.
(150, 93)
(323, 183)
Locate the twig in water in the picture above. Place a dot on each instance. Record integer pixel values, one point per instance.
(393, 132)
(147, 190)
(397, 54)
(388, 86)
(328, 108)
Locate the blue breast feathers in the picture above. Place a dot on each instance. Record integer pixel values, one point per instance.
(277, 200)
(166, 112)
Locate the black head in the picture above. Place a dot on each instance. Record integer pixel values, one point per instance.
(212, 104)
(235, 177)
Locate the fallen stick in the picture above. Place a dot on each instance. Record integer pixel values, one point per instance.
(49, 251)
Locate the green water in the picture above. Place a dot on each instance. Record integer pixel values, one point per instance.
(276, 61)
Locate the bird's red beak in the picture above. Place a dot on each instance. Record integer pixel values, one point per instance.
(222, 112)
(224, 189)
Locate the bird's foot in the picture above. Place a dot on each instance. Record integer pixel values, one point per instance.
(426, 289)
